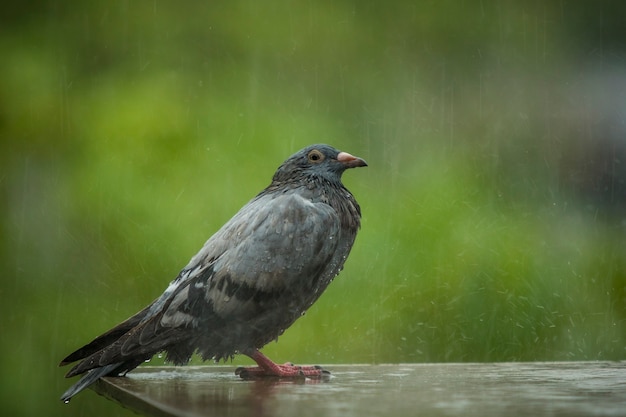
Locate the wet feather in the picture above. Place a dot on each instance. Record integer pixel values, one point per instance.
(250, 281)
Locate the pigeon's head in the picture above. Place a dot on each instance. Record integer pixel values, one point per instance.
(317, 161)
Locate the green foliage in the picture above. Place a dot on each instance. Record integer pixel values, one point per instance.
(493, 205)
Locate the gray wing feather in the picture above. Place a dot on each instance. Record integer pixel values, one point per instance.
(265, 248)
(273, 251)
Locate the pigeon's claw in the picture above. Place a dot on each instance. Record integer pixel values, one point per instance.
(267, 368)
(282, 371)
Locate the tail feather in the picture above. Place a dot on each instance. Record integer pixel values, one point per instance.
(89, 378)
(131, 342)
(106, 339)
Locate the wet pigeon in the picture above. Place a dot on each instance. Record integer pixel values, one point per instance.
(250, 281)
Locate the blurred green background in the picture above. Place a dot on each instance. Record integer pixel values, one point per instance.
(494, 206)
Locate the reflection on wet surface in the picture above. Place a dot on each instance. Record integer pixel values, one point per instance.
(566, 388)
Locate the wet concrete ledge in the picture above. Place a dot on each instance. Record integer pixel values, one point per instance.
(493, 389)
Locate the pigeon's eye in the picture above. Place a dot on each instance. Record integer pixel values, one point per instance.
(315, 156)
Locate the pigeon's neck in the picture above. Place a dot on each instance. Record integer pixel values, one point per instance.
(336, 195)
(320, 189)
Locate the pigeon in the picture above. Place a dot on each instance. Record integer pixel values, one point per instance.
(250, 281)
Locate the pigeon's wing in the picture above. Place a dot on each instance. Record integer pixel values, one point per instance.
(279, 244)
(287, 249)
(276, 243)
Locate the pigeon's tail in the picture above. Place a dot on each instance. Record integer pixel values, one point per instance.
(89, 378)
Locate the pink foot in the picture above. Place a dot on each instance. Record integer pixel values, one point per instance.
(267, 368)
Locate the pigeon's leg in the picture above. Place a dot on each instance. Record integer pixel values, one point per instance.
(267, 368)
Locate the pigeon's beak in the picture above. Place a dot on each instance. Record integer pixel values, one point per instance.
(350, 161)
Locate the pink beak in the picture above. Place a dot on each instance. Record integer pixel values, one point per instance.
(350, 161)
